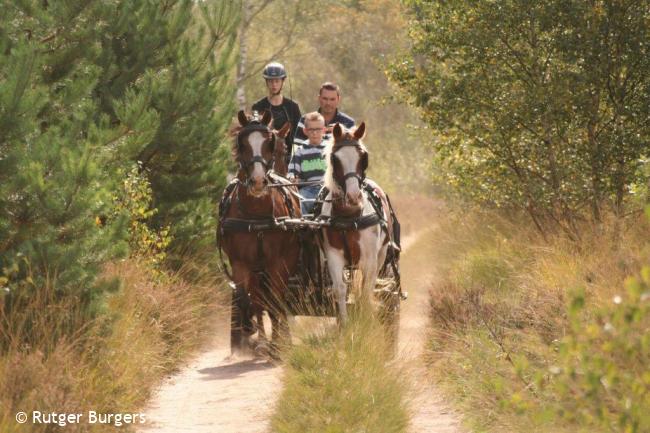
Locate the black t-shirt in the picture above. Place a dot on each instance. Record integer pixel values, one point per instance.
(288, 111)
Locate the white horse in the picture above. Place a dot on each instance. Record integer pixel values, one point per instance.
(358, 232)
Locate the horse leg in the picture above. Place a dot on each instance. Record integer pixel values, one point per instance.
(280, 332)
(335, 264)
(262, 346)
(241, 314)
(371, 250)
(369, 271)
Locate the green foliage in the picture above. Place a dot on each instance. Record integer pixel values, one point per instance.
(604, 379)
(166, 80)
(545, 342)
(52, 182)
(135, 199)
(542, 107)
(87, 89)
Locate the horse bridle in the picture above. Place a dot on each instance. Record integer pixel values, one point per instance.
(245, 165)
(346, 176)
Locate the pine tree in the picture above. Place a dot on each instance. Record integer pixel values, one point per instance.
(87, 89)
(52, 185)
(179, 61)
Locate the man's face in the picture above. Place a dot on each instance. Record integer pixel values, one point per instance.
(274, 85)
(328, 101)
(314, 130)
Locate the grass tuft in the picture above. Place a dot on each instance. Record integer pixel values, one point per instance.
(342, 381)
(526, 336)
(111, 364)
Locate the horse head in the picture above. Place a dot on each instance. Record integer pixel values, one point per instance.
(280, 152)
(254, 150)
(348, 162)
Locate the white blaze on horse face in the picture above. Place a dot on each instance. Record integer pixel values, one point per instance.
(349, 158)
(256, 140)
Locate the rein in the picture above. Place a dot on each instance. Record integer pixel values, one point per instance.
(298, 184)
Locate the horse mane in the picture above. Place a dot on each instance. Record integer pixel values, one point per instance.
(328, 179)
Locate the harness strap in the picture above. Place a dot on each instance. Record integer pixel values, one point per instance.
(249, 225)
(353, 174)
(285, 187)
(356, 223)
(260, 253)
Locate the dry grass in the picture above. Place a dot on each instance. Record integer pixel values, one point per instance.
(110, 365)
(501, 318)
(342, 381)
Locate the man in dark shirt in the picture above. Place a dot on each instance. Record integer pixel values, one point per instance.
(283, 109)
(329, 97)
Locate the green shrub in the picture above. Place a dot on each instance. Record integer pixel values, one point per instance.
(517, 348)
(603, 378)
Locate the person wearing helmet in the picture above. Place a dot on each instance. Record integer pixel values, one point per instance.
(282, 108)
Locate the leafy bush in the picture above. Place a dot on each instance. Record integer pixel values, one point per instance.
(522, 106)
(603, 378)
(135, 201)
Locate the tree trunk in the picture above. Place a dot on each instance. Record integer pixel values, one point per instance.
(243, 51)
(596, 168)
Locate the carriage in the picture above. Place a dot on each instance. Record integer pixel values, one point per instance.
(284, 260)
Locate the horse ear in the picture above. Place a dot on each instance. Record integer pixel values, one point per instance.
(241, 116)
(360, 131)
(284, 131)
(338, 132)
(267, 117)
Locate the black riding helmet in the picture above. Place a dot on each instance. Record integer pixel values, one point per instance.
(274, 70)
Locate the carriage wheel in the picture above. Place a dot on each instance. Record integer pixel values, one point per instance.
(241, 326)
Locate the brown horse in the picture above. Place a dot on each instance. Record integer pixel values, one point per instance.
(261, 254)
(360, 227)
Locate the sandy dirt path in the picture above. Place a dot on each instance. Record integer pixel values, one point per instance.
(429, 411)
(217, 394)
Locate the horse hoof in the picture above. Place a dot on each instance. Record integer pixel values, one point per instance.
(261, 350)
(274, 356)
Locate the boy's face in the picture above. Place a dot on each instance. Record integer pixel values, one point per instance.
(314, 130)
(274, 85)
